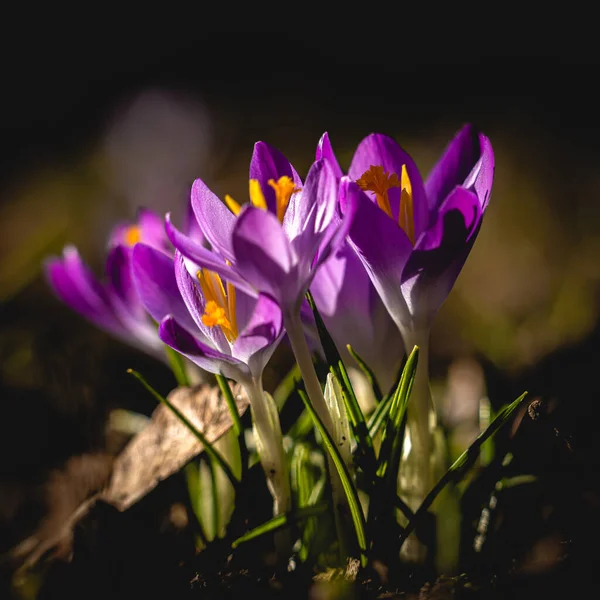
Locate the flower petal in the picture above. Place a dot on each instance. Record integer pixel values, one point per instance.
(192, 227)
(120, 282)
(195, 303)
(207, 358)
(75, 284)
(468, 161)
(440, 253)
(214, 218)
(263, 255)
(381, 245)
(325, 151)
(205, 258)
(154, 277)
(269, 163)
(262, 334)
(152, 230)
(380, 150)
(310, 217)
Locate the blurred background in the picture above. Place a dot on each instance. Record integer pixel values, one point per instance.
(95, 124)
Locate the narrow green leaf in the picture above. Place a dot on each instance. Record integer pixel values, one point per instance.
(177, 364)
(208, 447)
(337, 367)
(281, 521)
(393, 434)
(379, 416)
(367, 371)
(461, 465)
(351, 494)
(238, 426)
(192, 477)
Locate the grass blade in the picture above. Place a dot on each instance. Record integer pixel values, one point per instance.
(281, 521)
(351, 494)
(462, 464)
(238, 426)
(367, 372)
(393, 434)
(208, 447)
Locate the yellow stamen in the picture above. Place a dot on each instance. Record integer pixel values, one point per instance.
(378, 181)
(406, 218)
(284, 188)
(256, 195)
(132, 235)
(220, 305)
(232, 205)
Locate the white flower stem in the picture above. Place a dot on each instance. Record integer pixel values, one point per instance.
(426, 462)
(293, 326)
(420, 408)
(269, 441)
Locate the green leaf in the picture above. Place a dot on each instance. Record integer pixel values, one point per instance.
(367, 371)
(379, 416)
(393, 434)
(286, 386)
(337, 367)
(351, 494)
(281, 521)
(208, 447)
(461, 465)
(238, 426)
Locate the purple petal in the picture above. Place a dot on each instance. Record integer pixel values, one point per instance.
(377, 149)
(75, 284)
(269, 163)
(152, 229)
(195, 303)
(325, 151)
(120, 282)
(209, 359)
(263, 253)
(205, 258)
(440, 253)
(192, 227)
(482, 176)
(381, 245)
(260, 337)
(154, 278)
(214, 218)
(468, 161)
(309, 217)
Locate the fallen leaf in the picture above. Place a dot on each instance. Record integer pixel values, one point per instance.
(165, 445)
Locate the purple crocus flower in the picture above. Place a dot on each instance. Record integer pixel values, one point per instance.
(224, 331)
(207, 320)
(413, 237)
(275, 243)
(113, 304)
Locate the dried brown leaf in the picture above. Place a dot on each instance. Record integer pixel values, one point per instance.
(166, 444)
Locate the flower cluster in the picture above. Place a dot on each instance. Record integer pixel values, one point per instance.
(378, 247)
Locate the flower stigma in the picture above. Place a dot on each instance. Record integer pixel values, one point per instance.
(132, 235)
(219, 310)
(378, 181)
(284, 188)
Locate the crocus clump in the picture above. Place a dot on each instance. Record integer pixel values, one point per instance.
(378, 248)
